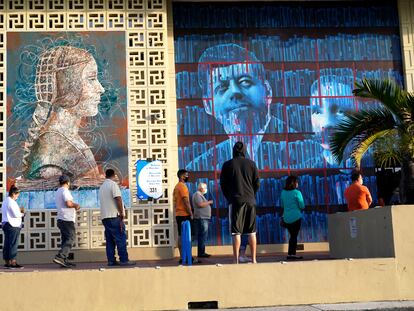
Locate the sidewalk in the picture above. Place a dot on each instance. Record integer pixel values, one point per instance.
(213, 261)
(378, 305)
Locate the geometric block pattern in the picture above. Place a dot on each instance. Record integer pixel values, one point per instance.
(145, 227)
(151, 108)
(406, 14)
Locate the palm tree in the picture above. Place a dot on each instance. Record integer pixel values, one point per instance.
(391, 126)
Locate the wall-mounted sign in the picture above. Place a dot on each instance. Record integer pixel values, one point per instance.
(149, 179)
(353, 227)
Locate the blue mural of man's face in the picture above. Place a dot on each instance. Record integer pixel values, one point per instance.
(329, 106)
(327, 112)
(240, 98)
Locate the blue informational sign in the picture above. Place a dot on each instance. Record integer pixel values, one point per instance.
(149, 179)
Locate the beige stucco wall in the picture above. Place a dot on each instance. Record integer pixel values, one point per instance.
(306, 282)
(402, 219)
(361, 234)
(148, 28)
(230, 285)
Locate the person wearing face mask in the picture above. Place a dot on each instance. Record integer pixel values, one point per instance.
(202, 215)
(181, 202)
(357, 195)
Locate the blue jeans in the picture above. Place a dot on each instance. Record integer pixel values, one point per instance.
(201, 226)
(115, 235)
(11, 241)
(67, 234)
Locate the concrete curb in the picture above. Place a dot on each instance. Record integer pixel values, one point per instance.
(377, 305)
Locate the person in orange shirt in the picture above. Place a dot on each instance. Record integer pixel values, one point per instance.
(357, 195)
(181, 202)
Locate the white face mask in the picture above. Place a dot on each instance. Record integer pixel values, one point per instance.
(204, 191)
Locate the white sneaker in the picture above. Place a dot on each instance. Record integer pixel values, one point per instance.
(244, 259)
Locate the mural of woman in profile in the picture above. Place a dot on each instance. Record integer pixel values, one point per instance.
(67, 90)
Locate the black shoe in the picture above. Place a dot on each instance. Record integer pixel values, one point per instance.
(113, 263)
(61, 262)
(293, 257)
(7, 266)
(193, 260)
(16, 266)
(205, 255)
(127, 263)
(70, 264)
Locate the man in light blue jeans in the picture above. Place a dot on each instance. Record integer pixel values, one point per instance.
(202, 215)
(113, 215)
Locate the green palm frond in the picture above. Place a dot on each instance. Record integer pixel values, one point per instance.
(407, 143)
(410, 104)
(387, 150)
(387, 92)
(362, 147)
(358, 126)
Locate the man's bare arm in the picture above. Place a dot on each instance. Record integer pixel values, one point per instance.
(120, 207)
(205, 203)
(71, 204)
(187, 205)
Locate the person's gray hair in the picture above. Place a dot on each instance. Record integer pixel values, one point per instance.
(201, 186)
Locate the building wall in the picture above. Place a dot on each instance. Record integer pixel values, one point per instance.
(151, 103)
(144, 59)
(293, 67)
(406, 13)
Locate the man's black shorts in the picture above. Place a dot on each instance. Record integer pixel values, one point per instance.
(180, 220)
(243, 218)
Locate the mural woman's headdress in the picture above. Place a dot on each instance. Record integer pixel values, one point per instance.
(58, 85)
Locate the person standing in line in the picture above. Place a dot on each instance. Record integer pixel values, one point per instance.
(357, 195)
(239, 181)
(292, 205)
(243, 244)
(202, 215)
(11, 223)
(181, 203)
(113, 215)
(66, 218)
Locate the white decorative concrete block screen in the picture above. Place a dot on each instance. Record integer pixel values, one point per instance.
(102, 64)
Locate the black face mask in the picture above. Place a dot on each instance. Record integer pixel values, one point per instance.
(185, 179)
